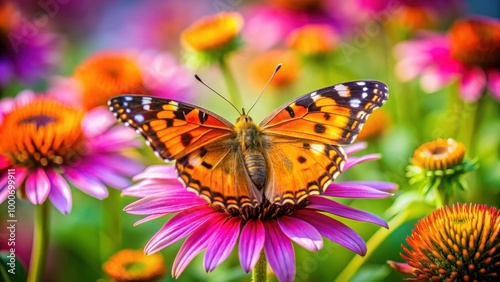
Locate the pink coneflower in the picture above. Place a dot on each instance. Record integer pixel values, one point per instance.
(268, 227)
(46, 143)
(469, 53)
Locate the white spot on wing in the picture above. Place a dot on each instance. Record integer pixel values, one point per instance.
(127, 111)
(317, 148)
(128, 98)
(126, 124)
(137, 131)
(361, 83)
(139, 118)
(364, 95)
(365, 88)
(354, 103)
(146, 107)
(342, 90)
(125, 104)
(148, 143)
(111, 108)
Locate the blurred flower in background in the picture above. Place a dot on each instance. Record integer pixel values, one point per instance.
(438, 166)
(457, 243)
(49, 143)
(313, 40)
(269, 227)
(134, 266)
(268, 24)
(469, 53)
(28, 49)
(212, 38)
(110, 73)
(262, 66)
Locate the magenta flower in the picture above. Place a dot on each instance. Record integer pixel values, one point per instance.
(29, 51)
(269, 227)
(469, 53)
(46, 145)
(273, 22)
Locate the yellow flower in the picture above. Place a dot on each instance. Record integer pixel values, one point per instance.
(313, 39)
(476, 42)
(458, 243)
(108, 74)
(217, 33)
(438, 165)
(441, 154)
(134, 266)
(262, 67)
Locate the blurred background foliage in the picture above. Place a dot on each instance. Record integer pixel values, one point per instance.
(410, 118)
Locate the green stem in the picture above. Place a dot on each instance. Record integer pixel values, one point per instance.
(110, 232)
(40, 242)
(259, 272)
(377, 238)
(234, 94)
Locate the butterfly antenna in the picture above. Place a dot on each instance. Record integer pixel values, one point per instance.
(267, 84)
(199, 79)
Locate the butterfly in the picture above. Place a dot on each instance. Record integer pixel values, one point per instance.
(293, 153)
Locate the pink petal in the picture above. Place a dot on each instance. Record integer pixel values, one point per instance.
(322, 204)
(354, 190)
(279, 252)
(179, 226)
(251, 243)
(97, 121)
(116, 139)
(356, 147)
(494, 83)
(60, 193)
(157, 171)
(86, 183)
(195, 243)
(435, 78)
(472, 84)
(37, 186)
(352, 161)
(108, 176)
(301, 233)
(333, 230)
(379, 185)
(122, 164)
(150, 187)
(163, 204)
(222, 243)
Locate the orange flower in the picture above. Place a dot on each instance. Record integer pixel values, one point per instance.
(313, 39)
(458, 243)
(262, 67)
(476, 42)
(41, 134)
(415, 18)
(212, 33)
(134, 266)
(108, 74)
(441, 154)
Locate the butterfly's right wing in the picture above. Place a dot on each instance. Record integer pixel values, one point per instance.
(201, 142)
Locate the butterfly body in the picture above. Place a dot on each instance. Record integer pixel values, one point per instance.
(293, 153)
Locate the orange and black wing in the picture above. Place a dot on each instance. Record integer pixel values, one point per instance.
(201, 142)
(305, 134)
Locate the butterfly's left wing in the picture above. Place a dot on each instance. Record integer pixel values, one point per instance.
(305, 134)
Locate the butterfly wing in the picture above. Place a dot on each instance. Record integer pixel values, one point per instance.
(201, 142)
(305, 135)
(331, 115)
(173, 129)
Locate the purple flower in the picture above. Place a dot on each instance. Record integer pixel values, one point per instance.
(46, 145)
(29, 50)
(469, 54)
(272, 229)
